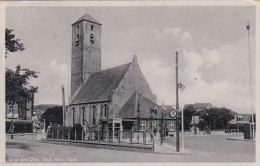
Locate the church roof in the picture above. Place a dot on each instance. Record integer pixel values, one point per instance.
(87, 17)
(145, 106)
(100, 85)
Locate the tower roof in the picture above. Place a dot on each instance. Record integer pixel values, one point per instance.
(87, 17)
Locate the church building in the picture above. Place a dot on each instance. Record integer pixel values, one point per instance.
(110, 99)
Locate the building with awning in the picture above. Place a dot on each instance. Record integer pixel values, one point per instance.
(239, 121)
(21, 117)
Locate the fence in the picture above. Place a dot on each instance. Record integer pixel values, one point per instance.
(119, 137)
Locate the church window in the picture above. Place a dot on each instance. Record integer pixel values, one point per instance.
(83, 115)
(77, 36)
(77, 39)
(73, 116)
(143, 125)
(92, 38)
(105, 111)
(94, 115)
(91, 27)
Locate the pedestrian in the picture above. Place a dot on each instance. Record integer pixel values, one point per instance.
(155, 131)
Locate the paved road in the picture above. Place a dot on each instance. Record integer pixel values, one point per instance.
(202, 148)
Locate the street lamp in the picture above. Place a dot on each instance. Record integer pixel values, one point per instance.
(12, 124)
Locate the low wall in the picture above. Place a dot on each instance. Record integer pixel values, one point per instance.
(101, 145)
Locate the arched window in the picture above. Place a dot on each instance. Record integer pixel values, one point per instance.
(92, 26)
(83, 115)
(92, 41)
(105, 111)
(94, 114)
(73, 116)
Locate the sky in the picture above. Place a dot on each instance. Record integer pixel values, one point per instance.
(212, 43)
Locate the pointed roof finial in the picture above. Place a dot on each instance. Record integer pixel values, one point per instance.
(134, 58)
(87, 17)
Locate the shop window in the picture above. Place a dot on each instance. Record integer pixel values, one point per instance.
(153, 125)
(143, 125)
(172, 127)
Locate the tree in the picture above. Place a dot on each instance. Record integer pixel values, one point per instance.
(17, 82)
(53, 115)
(18, 88)
(188, 112)
(216, 118)
(12, 44)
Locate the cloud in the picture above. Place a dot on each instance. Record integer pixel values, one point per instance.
(50, 80)
(216, 75)
(177, 33)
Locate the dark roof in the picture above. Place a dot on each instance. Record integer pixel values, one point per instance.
(87, 17)
(145, 105)
(246, 117)
(100, 85)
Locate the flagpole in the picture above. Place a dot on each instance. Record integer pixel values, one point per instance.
(63, 102)
(251, 86)
(182, 130)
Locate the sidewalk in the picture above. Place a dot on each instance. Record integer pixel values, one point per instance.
(239, 138)
(167, 148)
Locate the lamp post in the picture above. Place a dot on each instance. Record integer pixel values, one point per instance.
(12, 123)
(177, 107)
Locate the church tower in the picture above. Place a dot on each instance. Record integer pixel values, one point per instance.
(86, 50)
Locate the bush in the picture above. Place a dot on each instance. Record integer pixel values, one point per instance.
(63, 132)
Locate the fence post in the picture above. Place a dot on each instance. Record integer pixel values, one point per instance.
(82, 135)
(57, 134)
(108, 136)
(98, 136)
(153, 142)
(138, 137)
(131, 137)
(119, 135)
(75, 135)
(144, 137)
(69, 135)
(52, 134)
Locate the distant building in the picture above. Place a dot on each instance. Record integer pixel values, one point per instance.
(110, 99)
(239, 121)
(200, 106)
(22, 117)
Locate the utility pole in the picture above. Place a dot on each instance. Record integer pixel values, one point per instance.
(64, 107)
(251, 83)
(177, 108)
